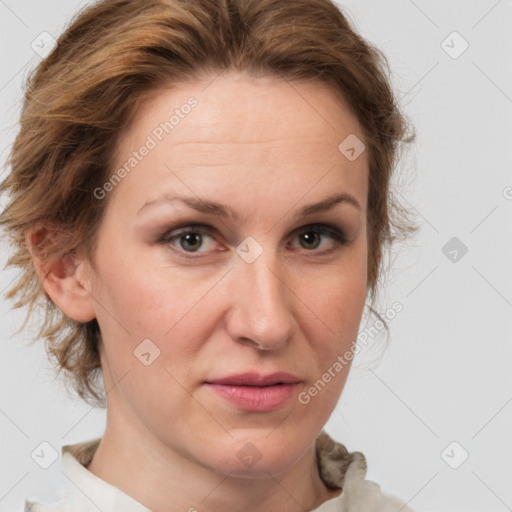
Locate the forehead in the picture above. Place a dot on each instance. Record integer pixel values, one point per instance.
(276, 106)
(234, 128)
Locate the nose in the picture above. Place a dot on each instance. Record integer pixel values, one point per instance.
(261, 313)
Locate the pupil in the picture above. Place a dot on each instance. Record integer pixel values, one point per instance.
(311, 237)
(194, 239)
(190, 238)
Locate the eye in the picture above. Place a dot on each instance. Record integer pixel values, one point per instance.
(311, 238)
(192, 238)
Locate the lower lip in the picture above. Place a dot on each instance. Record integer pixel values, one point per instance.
(253, 398)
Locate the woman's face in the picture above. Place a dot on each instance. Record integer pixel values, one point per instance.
(212, 261)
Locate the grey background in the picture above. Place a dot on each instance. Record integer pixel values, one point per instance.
(445, 375)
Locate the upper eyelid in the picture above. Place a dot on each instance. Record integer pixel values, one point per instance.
(210, 231)
(199, 227)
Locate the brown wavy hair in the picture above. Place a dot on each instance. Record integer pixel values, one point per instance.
(108, 61)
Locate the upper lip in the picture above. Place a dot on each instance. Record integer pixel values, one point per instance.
(256, 379)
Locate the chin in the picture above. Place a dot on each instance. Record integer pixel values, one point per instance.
(258, 455)
(272, 463)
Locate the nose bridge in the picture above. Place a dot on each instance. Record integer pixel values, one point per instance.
(268, 286)
(263, 311)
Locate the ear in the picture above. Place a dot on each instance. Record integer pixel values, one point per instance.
(64, 279)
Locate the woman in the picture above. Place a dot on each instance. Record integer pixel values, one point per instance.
(199, 200)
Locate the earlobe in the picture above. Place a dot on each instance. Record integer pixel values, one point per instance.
(62, 280)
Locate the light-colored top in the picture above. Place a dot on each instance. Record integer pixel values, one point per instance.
(85, 492)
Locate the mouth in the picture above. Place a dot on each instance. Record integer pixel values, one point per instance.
(255, 392)
(257, 380)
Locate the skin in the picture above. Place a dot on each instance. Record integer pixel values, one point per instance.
(264, 148)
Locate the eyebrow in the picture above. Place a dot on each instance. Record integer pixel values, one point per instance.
(213, 208)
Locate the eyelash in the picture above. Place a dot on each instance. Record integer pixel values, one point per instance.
(338, 236)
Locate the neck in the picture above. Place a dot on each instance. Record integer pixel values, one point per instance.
(137, 463)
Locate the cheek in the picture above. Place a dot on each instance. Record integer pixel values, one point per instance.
(337, 299)
(140, 298)
(336, 296)
(130, 289)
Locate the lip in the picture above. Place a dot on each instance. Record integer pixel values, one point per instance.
(256, 379)
(254, 392)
